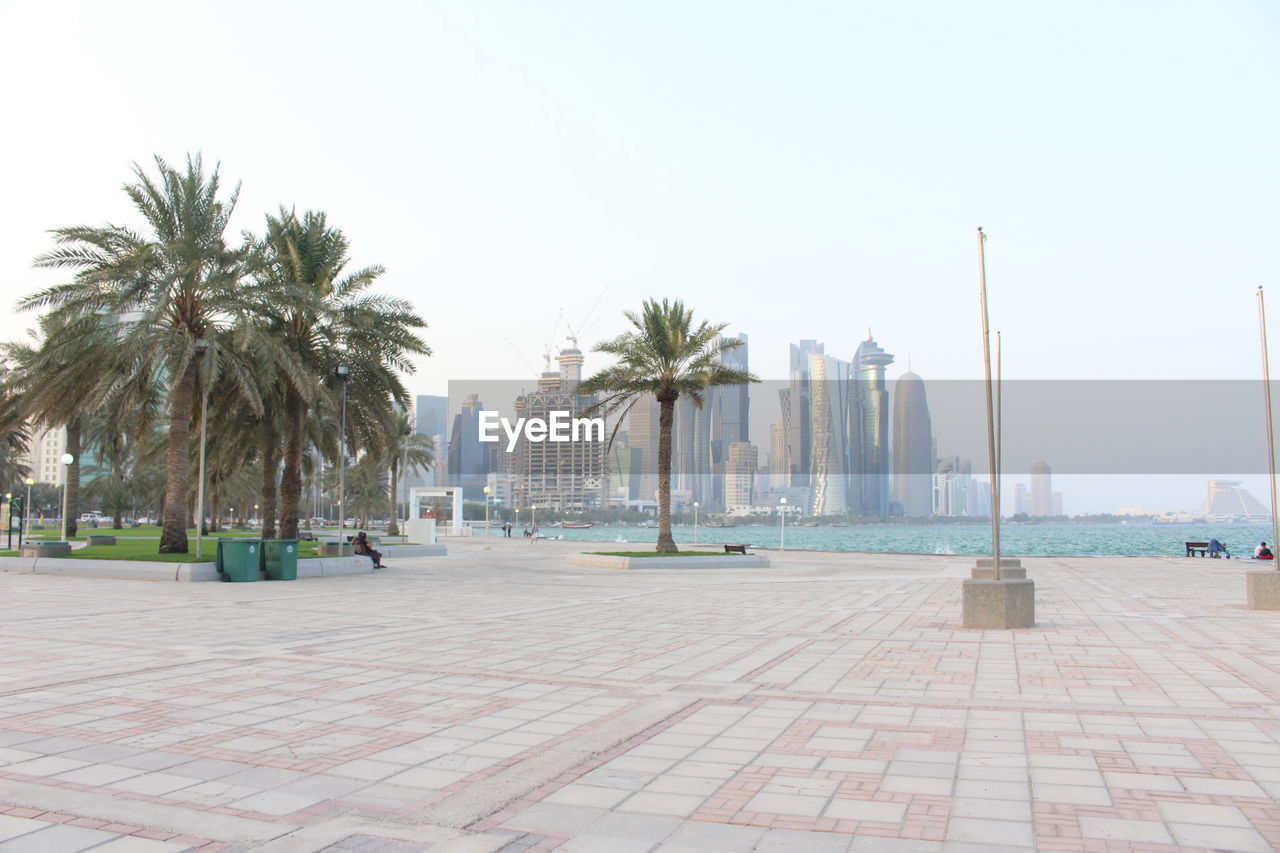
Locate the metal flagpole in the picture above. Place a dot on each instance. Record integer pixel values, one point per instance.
(1271, 436)
(999, 412)
(991, 426)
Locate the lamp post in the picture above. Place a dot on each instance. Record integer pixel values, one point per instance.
(255, 512)
(8, 498)
(782, 524)
(67, 459)
(202, 347)
(695, 522)
(405, 431)
(343, 373)
(533, 522)
(487, 546)
(26, 512)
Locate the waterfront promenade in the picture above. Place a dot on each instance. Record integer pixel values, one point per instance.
(505, 701)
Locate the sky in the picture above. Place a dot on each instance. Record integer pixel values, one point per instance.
(796, 170)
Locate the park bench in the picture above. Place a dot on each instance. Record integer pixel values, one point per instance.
(736, 549)
(1201, 549)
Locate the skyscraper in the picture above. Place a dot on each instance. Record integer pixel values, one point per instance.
(779, 464)
(869, 431)
(913, 462)
(642, 435)
(829, 389)
(740, 472)
(795, 411)
(431, 418)
(1041, 502)
(467, 457)
(729, 421)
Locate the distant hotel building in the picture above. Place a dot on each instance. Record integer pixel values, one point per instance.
(1225, 501)
(45, 456)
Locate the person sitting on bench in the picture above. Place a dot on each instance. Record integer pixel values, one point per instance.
(1262, 552)
(1214, 549)
(360, 545)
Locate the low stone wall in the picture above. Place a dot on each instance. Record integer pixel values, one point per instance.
(105, 539)
(182, 572)
(392, 552)
(728, 561)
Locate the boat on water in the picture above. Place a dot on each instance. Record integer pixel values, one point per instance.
(576, 525)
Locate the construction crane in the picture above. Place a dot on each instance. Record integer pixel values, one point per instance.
(551, 342)
(586, 323)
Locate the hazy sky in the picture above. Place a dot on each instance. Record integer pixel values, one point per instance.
(795, 169)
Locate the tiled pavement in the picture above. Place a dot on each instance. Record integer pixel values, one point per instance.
(502, 700)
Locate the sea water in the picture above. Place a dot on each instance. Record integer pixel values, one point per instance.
(1050, 539)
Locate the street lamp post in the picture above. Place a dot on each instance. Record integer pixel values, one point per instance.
(26, 513)
(487, 546)
(782, 524)
(695, 522)
(404, 484)
(8, 497)
(67, 459)
(202, 347)
(343, 373)
(533, 522)
(255, 513)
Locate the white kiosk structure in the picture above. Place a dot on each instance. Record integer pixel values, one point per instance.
(421, 526)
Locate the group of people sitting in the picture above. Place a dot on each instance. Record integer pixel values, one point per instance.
(1217, 549)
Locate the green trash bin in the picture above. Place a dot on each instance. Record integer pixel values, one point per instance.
(239, 560)
(280, 559)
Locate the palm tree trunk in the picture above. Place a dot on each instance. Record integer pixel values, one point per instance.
(393, 529)
(666, 418)
(270, 467)
(73, 476)
(173, 536)
(291, 478)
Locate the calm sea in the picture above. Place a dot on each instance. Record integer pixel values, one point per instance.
(1015, 539)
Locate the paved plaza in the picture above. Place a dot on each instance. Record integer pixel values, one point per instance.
(505, 701)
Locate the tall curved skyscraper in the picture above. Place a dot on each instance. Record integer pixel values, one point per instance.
(869, 432)
(913, 462)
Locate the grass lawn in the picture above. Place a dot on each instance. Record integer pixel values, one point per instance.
(656, 554)
(147, 549)
(146, 531)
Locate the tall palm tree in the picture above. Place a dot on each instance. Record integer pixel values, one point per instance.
(409, 450)
(326, 321)
(664, 355)
(65, 373)
(170, 288)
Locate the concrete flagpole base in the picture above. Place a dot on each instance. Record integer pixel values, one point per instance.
(1263, 589)
(1006, 603)
(1010, 569)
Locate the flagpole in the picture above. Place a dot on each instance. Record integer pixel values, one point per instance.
(1271, 436)
(991, 427)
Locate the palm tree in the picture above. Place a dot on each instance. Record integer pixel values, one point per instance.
(663, 355)
(60, 378)
(407, 448)
(168, 289)
(326, 321)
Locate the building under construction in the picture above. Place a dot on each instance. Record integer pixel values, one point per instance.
(560, 475)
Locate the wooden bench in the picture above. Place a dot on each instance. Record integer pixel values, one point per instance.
(1201, 549)
(736, 549)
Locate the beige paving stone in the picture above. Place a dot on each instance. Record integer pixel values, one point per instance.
(1138, 831)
